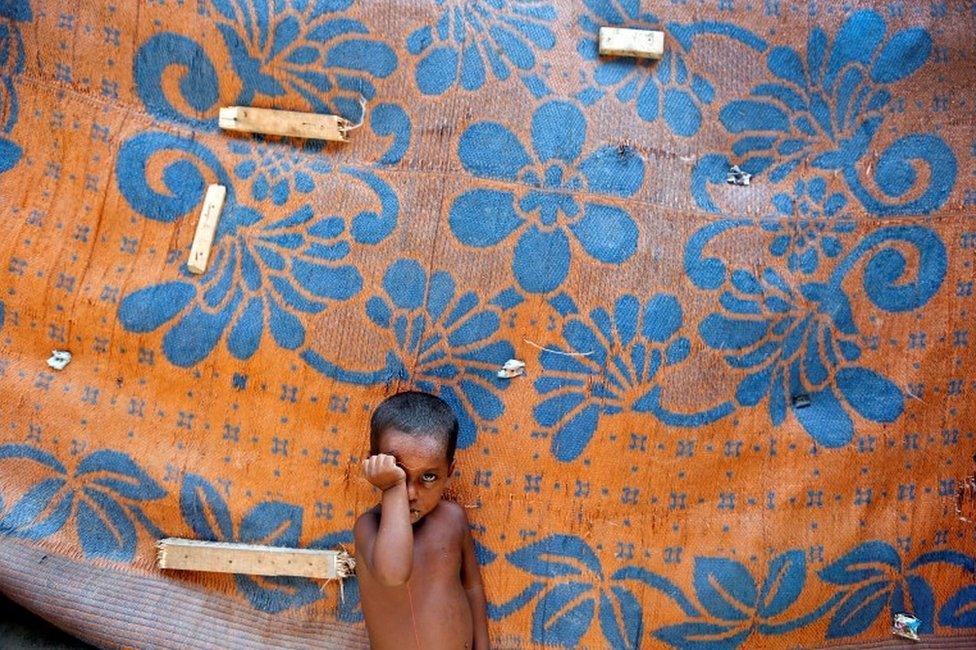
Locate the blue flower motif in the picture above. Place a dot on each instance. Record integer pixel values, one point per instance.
(564, 195)
(478, 37)
(812, 222)
(11, 65)
(262, 275)
(874, 577)
(734, 606)
(615, 367)
(279, 46)
(9, 154)
(799, 341)
(803, 340)
(658, 88)
(823, 111)
(103, 493)
(574, 587)
(276, 171)
(447, 342)
(270, 523)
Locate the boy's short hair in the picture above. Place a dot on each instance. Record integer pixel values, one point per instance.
(415, 413)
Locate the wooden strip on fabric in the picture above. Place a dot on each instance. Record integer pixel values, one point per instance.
(251, 559)
(110, 608)
(213, 203)
(284, 123)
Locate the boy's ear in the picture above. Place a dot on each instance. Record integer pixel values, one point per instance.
(450, 469)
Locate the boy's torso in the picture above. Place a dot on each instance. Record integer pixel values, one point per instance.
(433, 600)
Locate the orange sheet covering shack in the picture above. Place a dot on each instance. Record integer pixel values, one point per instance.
(747, 415)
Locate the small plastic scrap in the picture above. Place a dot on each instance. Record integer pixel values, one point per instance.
(801, 401)
(512, 368)
(906, 626)
(737, 176)
(59, 359)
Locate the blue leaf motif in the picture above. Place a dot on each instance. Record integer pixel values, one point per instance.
(623, 631)
(272, 524)
(119, 473)
(19, 10)
(868, 560)
(104, 527)
(902, 55)
(873, 396)
(204, 510)
(9, 154)
(921, 604)
(554, 622)
(278, 593)
(15, 451)
(960, 610)
(701, 636)
(787, 575)
(826, 420)
(555, 556)
(725, 588)
(39, 512)
(146, 309)
(859, 610)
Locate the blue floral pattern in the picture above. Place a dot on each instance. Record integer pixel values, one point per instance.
(734, 607)
(276, 172)
(824, 108)
(569, 586)
(566, 195)
(263, 276)
(873, 576)
(308, 51)
(813, 225)
(11, 64)
(473, 39)
(615, 364)
(270, 523)
(665, 88)
(445, 342)
(802, 339)
(104, 494)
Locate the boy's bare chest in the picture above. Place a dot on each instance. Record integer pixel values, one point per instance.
(436, 551)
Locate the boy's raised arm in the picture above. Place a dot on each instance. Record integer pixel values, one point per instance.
(474, 589)
(387, 548)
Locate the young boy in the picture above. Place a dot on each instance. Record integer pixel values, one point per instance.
(419, 580)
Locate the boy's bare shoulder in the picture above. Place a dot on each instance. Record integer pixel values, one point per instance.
(454, 514)
(366, 524)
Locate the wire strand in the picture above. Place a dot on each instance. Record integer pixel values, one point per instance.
(413, 617)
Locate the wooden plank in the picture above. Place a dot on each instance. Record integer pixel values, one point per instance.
(251, 559)
(213, 203)
(287, 123)
(641, 43)
(111, 607)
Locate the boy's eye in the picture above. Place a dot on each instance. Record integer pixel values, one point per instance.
(429, 477)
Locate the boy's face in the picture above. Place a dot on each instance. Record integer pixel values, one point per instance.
(424, 460)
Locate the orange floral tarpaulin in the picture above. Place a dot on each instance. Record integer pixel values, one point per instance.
(746, 418)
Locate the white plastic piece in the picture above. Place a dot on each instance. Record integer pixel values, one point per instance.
(512, 368)
(59, 359)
